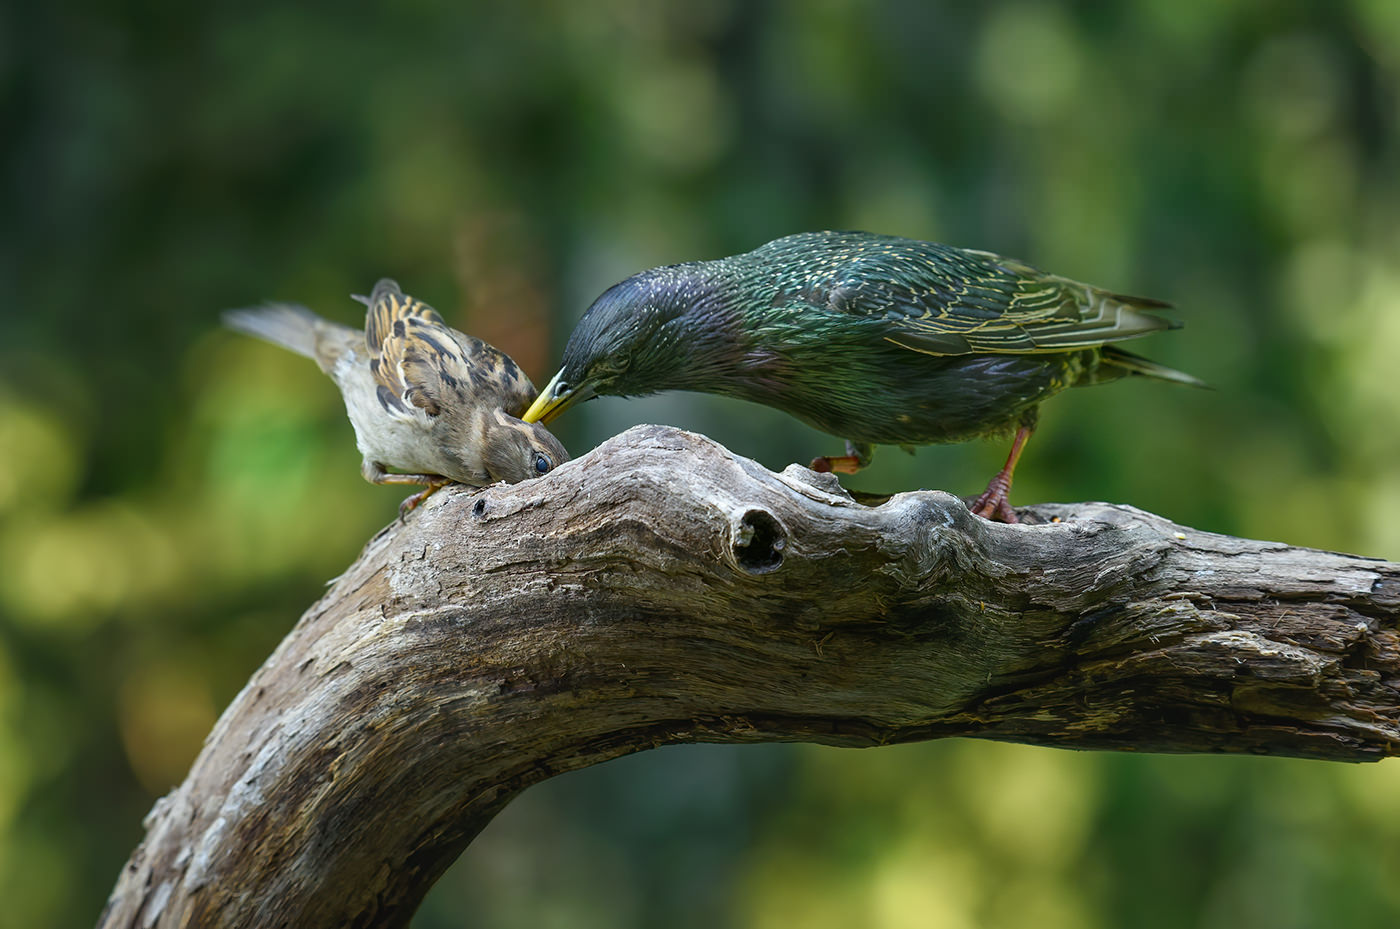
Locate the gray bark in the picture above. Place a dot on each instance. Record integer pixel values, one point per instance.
(664, 590)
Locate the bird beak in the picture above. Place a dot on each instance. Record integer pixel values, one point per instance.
(550, 403)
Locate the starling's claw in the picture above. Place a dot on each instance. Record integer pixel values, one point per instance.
(992, 504)
(858, 455)
(839, 464)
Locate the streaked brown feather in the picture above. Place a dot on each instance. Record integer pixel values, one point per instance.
(423, 363)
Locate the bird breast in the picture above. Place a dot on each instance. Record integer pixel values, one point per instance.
(408, 441)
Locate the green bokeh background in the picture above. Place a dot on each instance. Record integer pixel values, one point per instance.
(172, 496)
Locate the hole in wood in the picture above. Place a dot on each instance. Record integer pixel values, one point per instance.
(759, 543)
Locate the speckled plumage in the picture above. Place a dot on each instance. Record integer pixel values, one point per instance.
(422, 397)
(876, 339)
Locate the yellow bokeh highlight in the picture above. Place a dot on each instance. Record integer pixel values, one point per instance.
(16, 768)
(1373, 792)
(1042, 902)
(75, 568)
(1031, 804)
(38, 456)
(1370, 375)
(1321, 289)
(1380, 29)
(991, 833)
(37, 882)
(165, 710)
(782, 891)
(1028, 63)
(924, 886)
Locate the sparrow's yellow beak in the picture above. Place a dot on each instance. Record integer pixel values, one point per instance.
(550, 403)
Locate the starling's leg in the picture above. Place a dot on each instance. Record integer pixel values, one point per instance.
(858, 455)
(374, 472)
(993, 504)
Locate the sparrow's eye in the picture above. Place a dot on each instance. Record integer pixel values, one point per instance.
(542, 463)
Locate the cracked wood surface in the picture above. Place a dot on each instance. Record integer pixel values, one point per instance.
(662, 589)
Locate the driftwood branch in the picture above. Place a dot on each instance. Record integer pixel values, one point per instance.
(662, 590)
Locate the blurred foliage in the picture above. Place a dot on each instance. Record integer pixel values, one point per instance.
(172, 496)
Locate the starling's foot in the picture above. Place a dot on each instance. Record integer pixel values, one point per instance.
(858, 455)
(840, 464)
(992, 504)
(412, 503)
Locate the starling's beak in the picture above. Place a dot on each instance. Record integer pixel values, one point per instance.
(552, 401)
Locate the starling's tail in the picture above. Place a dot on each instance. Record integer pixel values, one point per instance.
(285, 324)
(1128, 363)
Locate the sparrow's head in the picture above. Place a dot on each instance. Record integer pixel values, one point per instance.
(515, 450)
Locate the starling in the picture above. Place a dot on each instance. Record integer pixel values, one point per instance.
(876, 339)
(423, 398)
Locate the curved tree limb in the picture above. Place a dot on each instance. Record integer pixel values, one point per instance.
(662, 590)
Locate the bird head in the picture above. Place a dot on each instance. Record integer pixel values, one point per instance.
(651, 332)
(516, 450)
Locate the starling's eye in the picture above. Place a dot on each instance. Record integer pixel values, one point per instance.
(562, 388)
(542, 464)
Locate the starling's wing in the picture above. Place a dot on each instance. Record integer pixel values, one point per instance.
(949, 301)
(421, 362)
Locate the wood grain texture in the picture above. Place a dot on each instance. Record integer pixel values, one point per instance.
(662, 589)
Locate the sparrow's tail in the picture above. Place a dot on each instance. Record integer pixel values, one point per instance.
(285, 324)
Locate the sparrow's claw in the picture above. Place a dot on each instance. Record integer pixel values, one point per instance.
(411, 503)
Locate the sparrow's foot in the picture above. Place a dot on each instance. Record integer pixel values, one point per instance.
(412, 503)
(374, 472)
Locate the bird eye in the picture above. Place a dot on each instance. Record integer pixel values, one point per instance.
(561, 388)
(542, 463)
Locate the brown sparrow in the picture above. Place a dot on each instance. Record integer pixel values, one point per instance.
(434, 403)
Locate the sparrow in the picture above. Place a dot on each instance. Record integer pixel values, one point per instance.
(433, 403)
(873, 338)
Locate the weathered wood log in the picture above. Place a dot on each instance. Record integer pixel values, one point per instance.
(663, 590)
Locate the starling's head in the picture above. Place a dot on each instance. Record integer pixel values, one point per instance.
(515, 450)
(645, 334)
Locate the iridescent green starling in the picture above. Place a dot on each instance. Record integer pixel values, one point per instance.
(873, 338)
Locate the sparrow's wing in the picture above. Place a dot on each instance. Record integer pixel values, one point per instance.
(405, 357)
(498, 376)
(389, 306)
(421, 362)
(950, 301)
